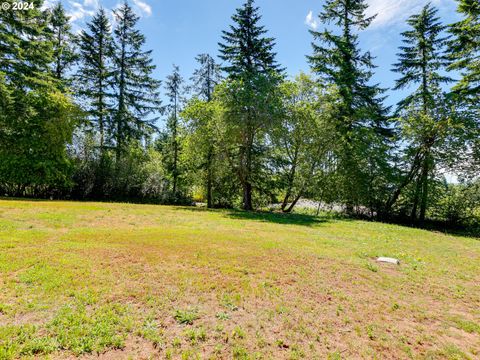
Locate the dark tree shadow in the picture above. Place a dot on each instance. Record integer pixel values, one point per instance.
(277, 218)
(269, 216)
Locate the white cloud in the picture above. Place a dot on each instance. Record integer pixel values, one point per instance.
(144, 7)
(396, 11)
(311, 20)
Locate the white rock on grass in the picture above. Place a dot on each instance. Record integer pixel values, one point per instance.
(389, 260)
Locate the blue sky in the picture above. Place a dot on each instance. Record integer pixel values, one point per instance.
(178, 30)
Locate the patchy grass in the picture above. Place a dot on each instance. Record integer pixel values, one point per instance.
(139, 281)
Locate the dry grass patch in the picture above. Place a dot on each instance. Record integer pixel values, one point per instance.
(140, 281)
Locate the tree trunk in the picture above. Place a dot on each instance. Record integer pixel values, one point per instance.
(418, 189)
(247, 196)
(423, 203)
(209, 178)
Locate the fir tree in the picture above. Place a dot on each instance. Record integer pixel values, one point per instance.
(64, 55)
(206, 76)
(465, 49)
(361, 123)
(204, 80)
(173, 86)
(25, 49)
(95, 73)
(137, 92)
(422, 59)
(253, 74)
(246, 49)
(421, 62)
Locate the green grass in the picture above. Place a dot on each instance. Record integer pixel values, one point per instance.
(186, 283)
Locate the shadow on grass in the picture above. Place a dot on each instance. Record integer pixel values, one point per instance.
(277, 218)
(266, 216)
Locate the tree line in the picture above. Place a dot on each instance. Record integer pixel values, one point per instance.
(80, 115)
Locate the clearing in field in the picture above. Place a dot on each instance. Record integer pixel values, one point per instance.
(140, 281)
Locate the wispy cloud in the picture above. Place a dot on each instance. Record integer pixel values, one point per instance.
(396, 11)
(311, 20)
(144, 7)
(79, 10)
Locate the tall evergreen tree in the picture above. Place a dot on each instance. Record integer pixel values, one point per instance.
(25, 52)
(421, 62)
(206, 76)
(465, 48)
(36, 120)
(137, 92)
(64, 54)
(252, 73)
(174, 87)
(204, 80)
(422, 59)
(361, 122)
(95, 74)
(245, 48)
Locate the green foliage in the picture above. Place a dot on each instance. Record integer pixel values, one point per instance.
(302, 140)
(465, 48)
(63, 40)
(361, 128)
(245, 48)
(249, 97)
(136, 91)
(186, 316)
(95, 75)
(33, 156)
(422, 59)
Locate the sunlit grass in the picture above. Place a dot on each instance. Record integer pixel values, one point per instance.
(146, 280)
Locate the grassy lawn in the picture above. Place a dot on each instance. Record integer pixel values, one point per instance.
(139, 281)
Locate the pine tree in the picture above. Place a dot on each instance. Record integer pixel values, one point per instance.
(95, 75)
(421, 62)
(422, 59)
(137, 92)
(361, 122)
(465, 49)
(25, 50)
(206, 76)
(246, 50)
(36, 120)
(253, 74)
(64, 55)
(173, 86)
(204, 80)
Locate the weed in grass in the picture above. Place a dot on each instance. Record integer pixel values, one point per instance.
(371, 331)
(231, 302)
(395, 307)
(334, 356)
(371, 267)
(296, 353)
(4, 309)
(239, 353)
(467, 326)
(150, 331)
(195, 335)
(176, 342)
(186, 317)
(238, 333)
(450, 352)
(223, 316)
(190, 355)
(39, 346)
